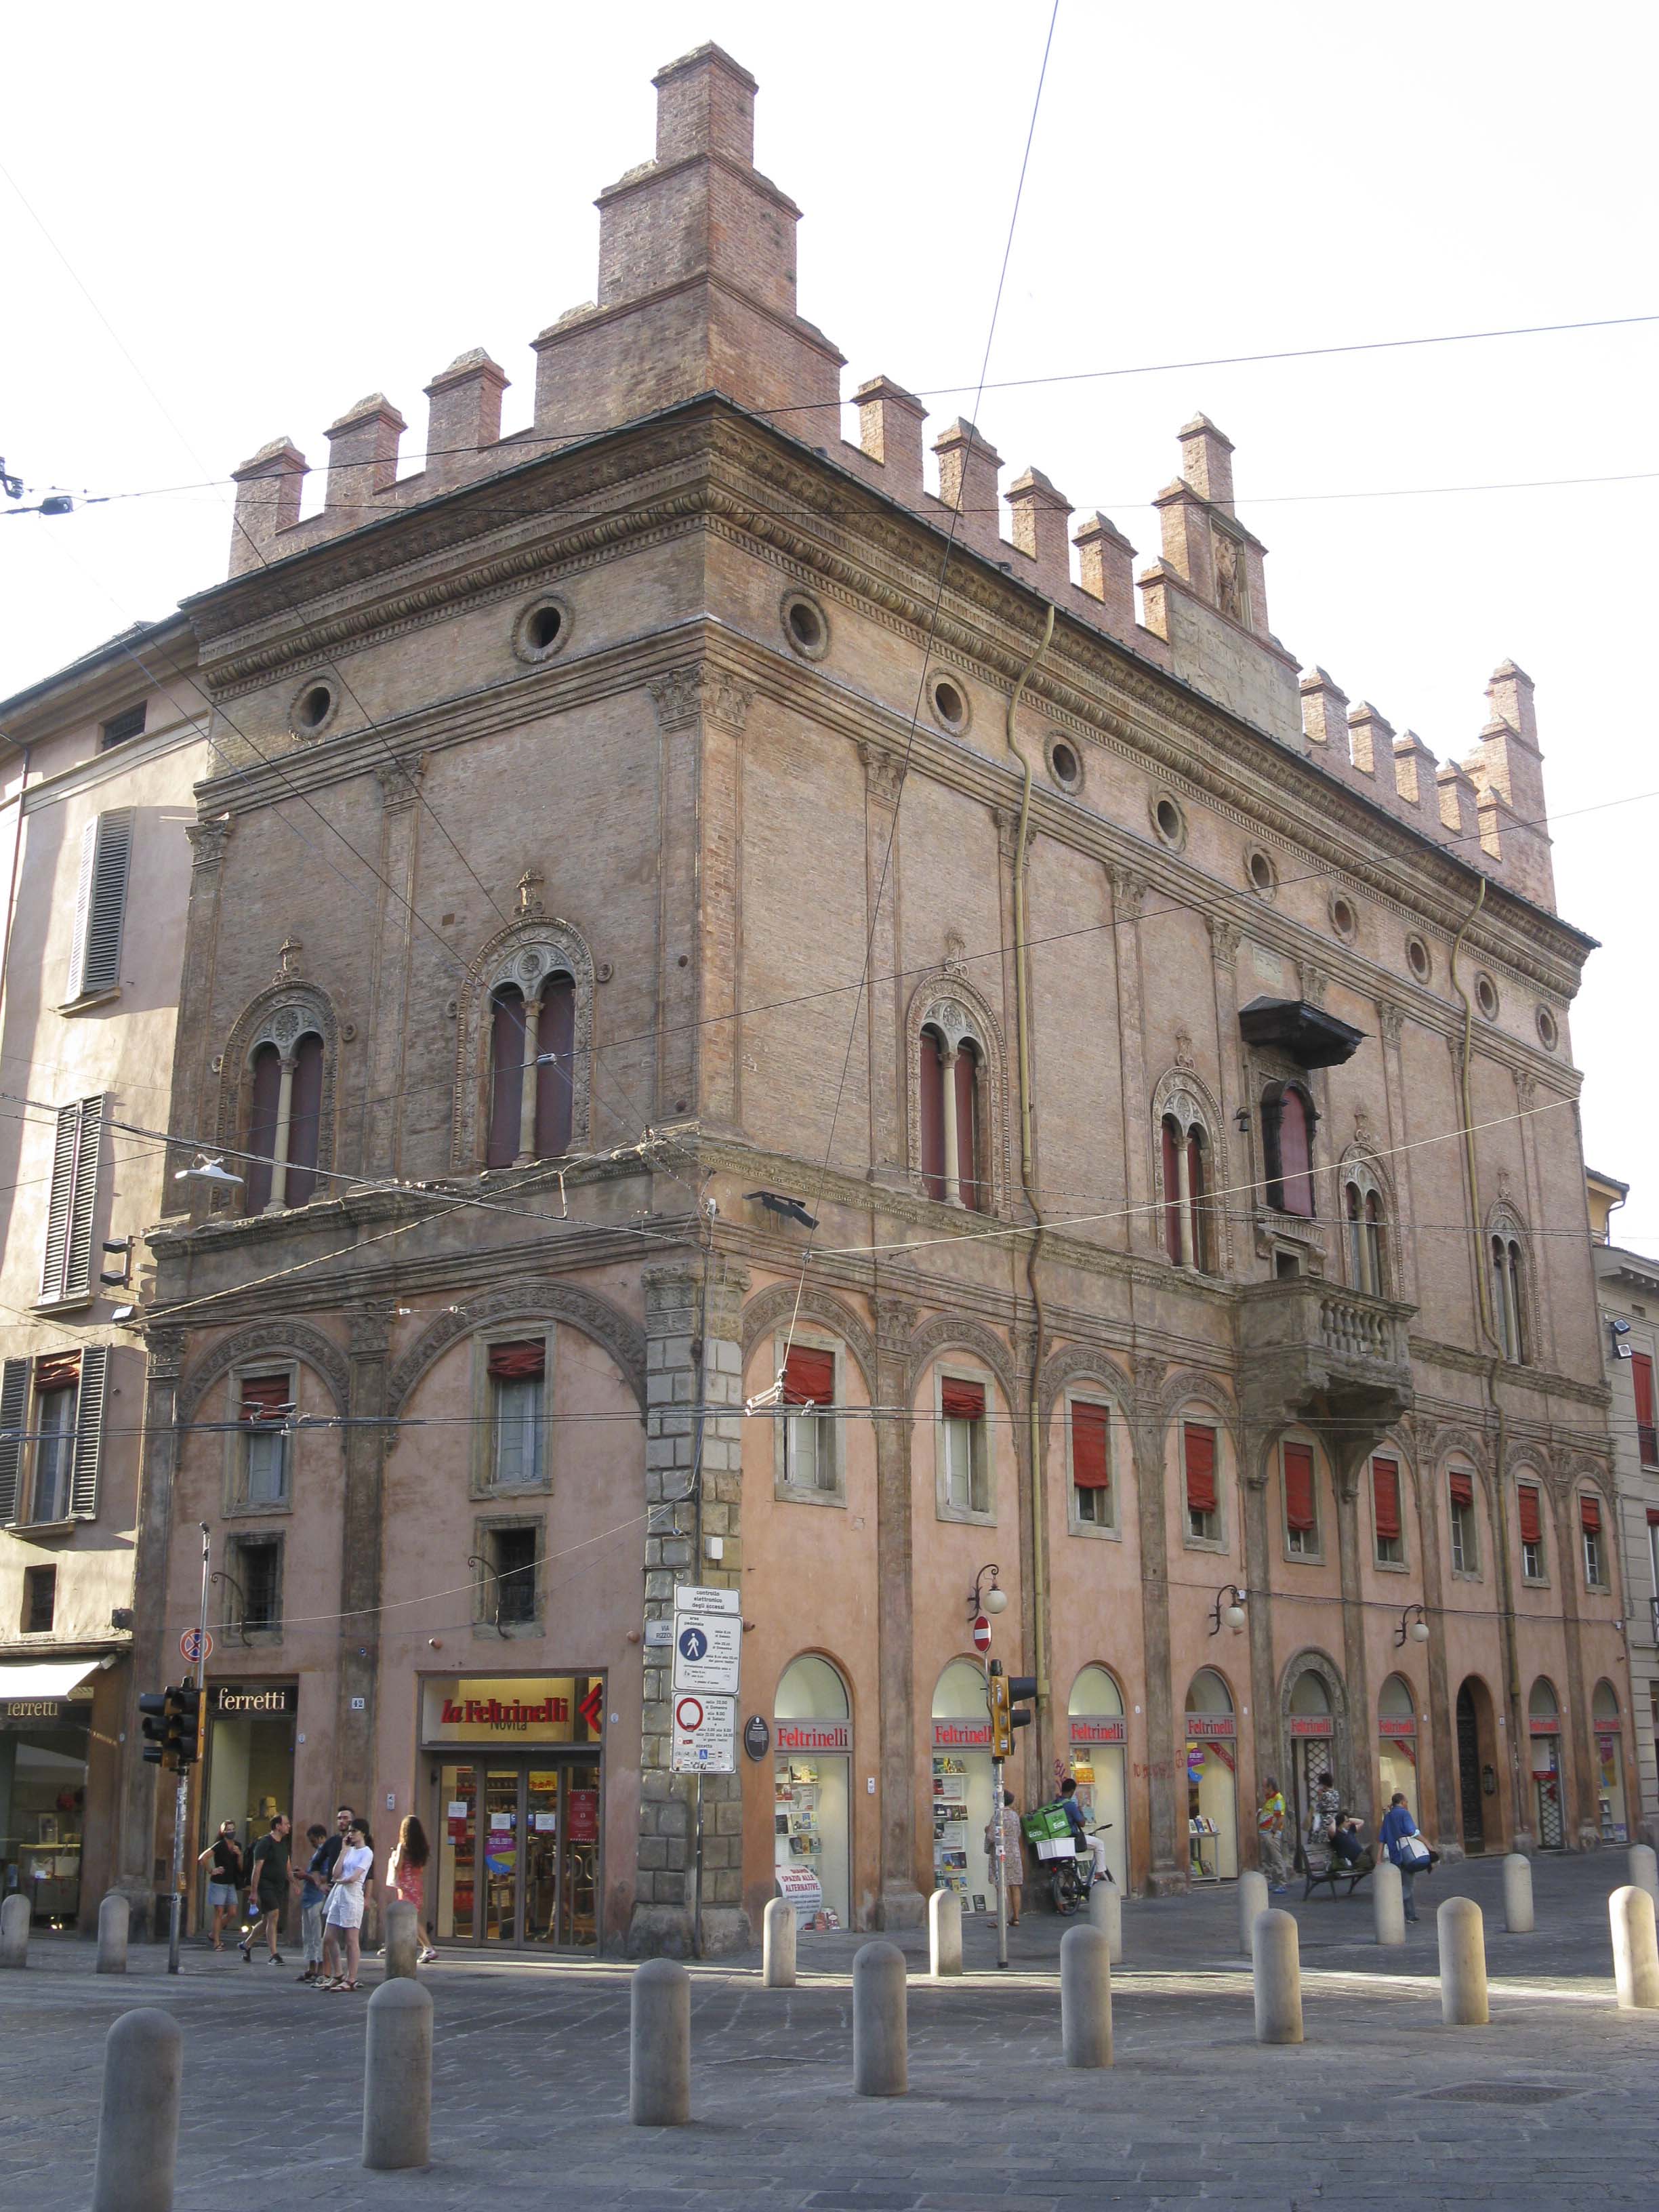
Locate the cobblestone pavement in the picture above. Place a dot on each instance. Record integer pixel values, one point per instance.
(1553, 2105)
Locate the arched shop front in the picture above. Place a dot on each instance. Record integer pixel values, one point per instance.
(1544, 1743)
(812, 1791)
(1212, 1779)
(962, 1785)
(1313, 1741)
(1097, 1736)
(1609, 1765)
(1396, 1754)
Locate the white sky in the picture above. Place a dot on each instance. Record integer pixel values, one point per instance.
(278, 210)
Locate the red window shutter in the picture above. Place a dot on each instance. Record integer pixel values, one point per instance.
(1532, 1523)
(931, 1131)
(556, 1035)
(1295, 1155)
(1461, 1485)
(264, 1396)
(1647, 1438)
(809, 1376)
(506, 1078)
(262, 1125)
(1298, 1487)
(305, 1119)
(1198, 1451)
(1171, 1186)
(966, 1072)
(1653, 1516)
(525, 1362)
(1089, 1469)
(961, 1401)
(1385, 1496)
(1589, 1512)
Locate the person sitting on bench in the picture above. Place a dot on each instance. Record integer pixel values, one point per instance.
(1345, 1841)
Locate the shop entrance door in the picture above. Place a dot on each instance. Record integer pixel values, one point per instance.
(1468, 1771)
(518, 1859)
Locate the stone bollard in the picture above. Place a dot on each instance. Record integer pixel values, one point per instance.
(1277, 1976)
(1085, 1997)
(398, 2077)
(1462, 1964)
(659, 2045)
(944, 1933)
(403, 1942)
(1106, 1913)
(1251, 1900)
(15, 1930)
(138, 2117)
(881, 2060)
(1388, 1904)
(114, 1921)
(1517, 1895)
(1635, 1950)
(1644, 1870)
(778, 1945)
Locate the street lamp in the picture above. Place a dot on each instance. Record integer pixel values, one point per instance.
(1417, 1630)
(213, 1173)
(992, 1600)
(1234, 1615)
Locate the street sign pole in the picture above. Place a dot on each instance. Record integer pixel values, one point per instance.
(181, 1801)
(1002, 1865)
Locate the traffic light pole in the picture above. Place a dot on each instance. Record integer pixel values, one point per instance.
(181, 1803)
(1002, 1865)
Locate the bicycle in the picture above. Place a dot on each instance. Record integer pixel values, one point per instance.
(1070, 1880)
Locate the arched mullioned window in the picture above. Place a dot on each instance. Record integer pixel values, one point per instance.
(278, 1100)
(524, 1049)
(1186, 1154)
(1364, 1216)
(953, 1107)
(1288, 1121)
(531, 1041)
(1506, 1258)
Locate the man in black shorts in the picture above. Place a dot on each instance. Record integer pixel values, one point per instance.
(269, 1878)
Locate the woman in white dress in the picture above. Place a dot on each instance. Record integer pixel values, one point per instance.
(344, 1916)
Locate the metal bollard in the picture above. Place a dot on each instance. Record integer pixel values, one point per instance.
(1644, 1866)
(659, 2045)
(1085, 1997)
(1277, 1976)
(1106, 1913)
(114, 1921)
(1388, 1904)
(138, 2116)
(881, 2060)
(403, 1941)
(778, 1945)
(397, 2078)
(15, 1930)
(1635, 1950)
(1463, 1963)
(1251, 1900)
(944, 1933)
(1517, 1895)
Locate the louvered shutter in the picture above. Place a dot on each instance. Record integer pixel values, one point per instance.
(1647, 1437)
(88, 1432)
(13, 1414)
(100, 903)
(66, 1271)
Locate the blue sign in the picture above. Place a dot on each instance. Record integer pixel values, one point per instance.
(694, 1642)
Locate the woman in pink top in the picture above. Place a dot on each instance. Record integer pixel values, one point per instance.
(406, 1872)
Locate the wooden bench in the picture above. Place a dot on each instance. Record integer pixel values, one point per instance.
(1323, 1870)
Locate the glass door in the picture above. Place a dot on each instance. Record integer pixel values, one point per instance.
(455, 1915)
(541, 1844)
(579, 1859)
(502, 1859)
(519, 1853)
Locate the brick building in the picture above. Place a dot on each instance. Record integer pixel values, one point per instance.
(698, 811)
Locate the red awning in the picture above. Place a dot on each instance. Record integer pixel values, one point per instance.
(960, 1401)
(1198, 1449)
(1462, 1486)
(809, 1376)
(1385, 1496)
(1298, 1488)
(1532, 1521)
(1589, 1511)
(526, 1362)
(1090, 1468)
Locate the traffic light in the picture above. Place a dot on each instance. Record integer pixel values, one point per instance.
(171, 1724)
(156, 1706)
(1005, 1693)
(191, 1700)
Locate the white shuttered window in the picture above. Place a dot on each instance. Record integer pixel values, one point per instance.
(100, 903)
(65, 1447)
(66, 1272)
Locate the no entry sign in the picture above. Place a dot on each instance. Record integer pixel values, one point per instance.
(705, 1734)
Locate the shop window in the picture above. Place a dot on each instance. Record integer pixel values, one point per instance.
(1647, 1437)
(1090, 1441)
(52, 1422)
(507, 1559)
(1198, 1457)
(255, 1574)
(1385, 1513)
(1465, 1551)
(964, 1472)
(284, 1127)
(1530, 1501)
(1589, 1523)
(66, 1266)
(515, 1374)
(810, 1460)
(1509, 1306)
(264, 1405)
(531, 1064)
(1301, 1503)
(1288, 1120)
(39, 1600)
(811, 1791)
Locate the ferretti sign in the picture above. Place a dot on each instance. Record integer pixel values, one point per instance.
(250, 1701)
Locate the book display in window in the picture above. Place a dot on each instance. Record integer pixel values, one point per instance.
(949, 1823)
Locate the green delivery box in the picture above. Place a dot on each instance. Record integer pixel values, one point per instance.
(1049, 1823)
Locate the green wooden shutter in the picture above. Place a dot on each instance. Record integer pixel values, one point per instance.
(66, 1270)
(101, 902)
(88, 1432)
(14, 1415)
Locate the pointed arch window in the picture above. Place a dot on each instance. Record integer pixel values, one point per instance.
(1363, 1221)
(284, 1127)
(1288, 1121)
(531, 1062)
(1184, 1147)
(950, 1064)
(1509, 1300)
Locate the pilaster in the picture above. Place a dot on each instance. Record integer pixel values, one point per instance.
(1442, 1728)
(717, 1049)
(885, 1014)
(1350, 1461)
(1128, 896)
(136, 1875)
(381, 1116)
(1167, 1871)
(899, 1903)
(362, 1549)
(677, 698)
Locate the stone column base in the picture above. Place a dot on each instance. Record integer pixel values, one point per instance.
(659, 1931)
(726, 1929)
(1167, 1882)
(901, 1908)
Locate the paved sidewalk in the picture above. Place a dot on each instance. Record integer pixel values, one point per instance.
(1553, 2106)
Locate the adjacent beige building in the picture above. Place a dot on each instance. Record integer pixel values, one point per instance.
(99, 764)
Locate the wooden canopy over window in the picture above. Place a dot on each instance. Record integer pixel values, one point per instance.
(1091, 1469)
(1198, 1455)
(523, 1362)
(809, 1376)
(1299, 1489)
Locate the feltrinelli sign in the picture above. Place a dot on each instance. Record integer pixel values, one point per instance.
(511, 1708)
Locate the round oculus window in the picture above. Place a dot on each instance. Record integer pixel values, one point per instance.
(950, 703)
(805, 625)
(1486, 995)
(1262, 876)
(313, 708)
(1549, 1034)
(1168, 821)
(542, 629)
(1064, 765)
(1418, 959)
(1344, 920)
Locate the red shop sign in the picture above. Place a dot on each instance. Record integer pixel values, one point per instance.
(1209, 1727)
(1550, 1725)
(1086, 1729)
(813, 1735)
(963, 1735)
(1391, 1724)
(1312, 1724)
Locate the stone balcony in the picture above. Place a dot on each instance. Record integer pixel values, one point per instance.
(1310, 1347)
